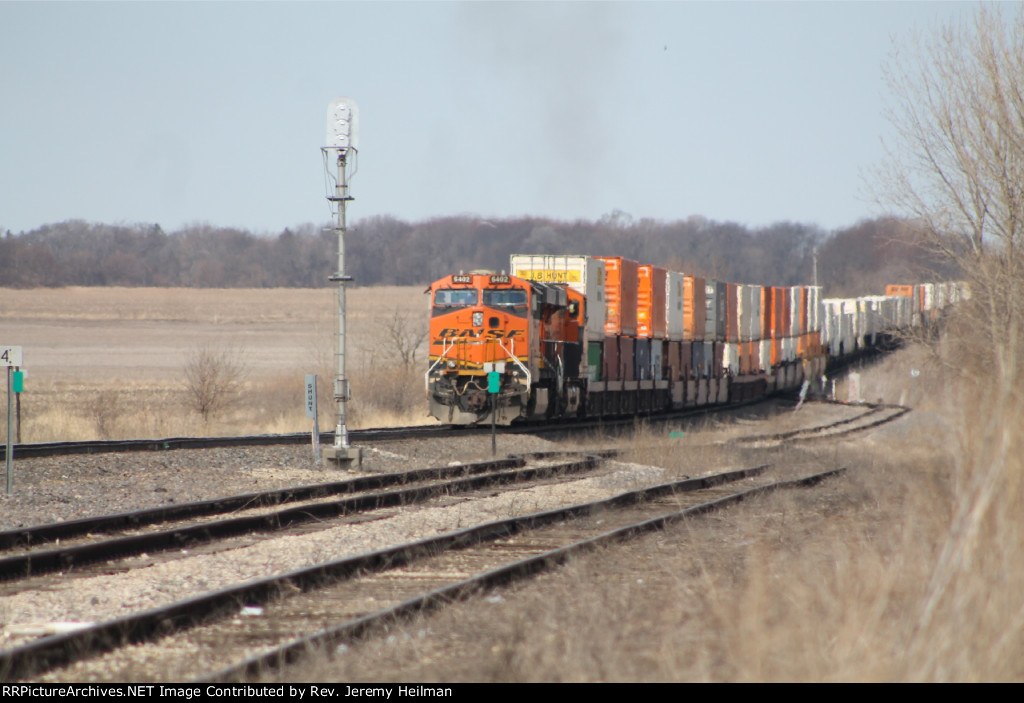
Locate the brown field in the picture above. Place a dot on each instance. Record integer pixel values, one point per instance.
(109, 362)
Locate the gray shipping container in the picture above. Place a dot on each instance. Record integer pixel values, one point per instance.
(674, 306)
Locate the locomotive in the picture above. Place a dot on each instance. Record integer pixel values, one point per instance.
(584, 336)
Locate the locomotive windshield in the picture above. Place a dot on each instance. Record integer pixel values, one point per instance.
(512, 300)
(447, 299)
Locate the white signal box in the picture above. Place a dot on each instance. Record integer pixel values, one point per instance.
(342, 124)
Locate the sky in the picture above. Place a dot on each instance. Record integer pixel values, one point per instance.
(179, 113)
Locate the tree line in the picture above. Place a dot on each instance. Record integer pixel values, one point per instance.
(384, 250)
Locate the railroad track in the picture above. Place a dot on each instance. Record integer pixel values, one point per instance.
(318, 504)
(106, 446)
(259, 512)
(381, 434)
(874, 415)
(233, 633)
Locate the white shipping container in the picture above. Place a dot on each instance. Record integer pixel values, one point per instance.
(731, 358)
(750, 312)
(584, 274)
(928, 290)
(814, 312)
(794, 310)
(789, 349)
(711, 331)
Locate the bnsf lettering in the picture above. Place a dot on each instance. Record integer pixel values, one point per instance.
(452, 333)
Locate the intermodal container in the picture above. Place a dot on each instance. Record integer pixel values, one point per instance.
(674, 312)
(767, 308)
(657, 359)
(584, 274)
(641, 359)
(732, 330)
(805, 308)
(594, 365)
(699, 363)
(795, 328)
(749, 312)
(674, 361)
(711, 318)
(610, 360)
(778, 312)
(620, 291)
(651, 303)
(627, 351)
(695, 308)
(814, 309)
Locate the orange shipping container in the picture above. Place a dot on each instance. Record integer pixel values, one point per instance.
(695, 313)
(805, 306)
(650, 305)
(767, 311)
(620, 295)
(782, 328)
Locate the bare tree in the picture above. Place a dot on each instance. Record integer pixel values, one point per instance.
(958, 169)
(958, 164)
(405, 337)
(959, 114)
(213, 378)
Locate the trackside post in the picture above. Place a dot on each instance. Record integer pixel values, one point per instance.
(313, 413)
(11, 358)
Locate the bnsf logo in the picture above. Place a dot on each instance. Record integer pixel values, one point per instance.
(452, 333)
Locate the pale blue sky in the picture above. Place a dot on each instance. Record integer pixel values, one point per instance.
(185, 112)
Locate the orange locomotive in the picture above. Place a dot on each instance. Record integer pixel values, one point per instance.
(526, 332)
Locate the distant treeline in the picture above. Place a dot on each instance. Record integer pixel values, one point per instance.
(388, 251)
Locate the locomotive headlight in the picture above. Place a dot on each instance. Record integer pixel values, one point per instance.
(451, 364)
(478, 319)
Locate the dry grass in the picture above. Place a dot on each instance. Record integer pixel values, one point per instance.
(109, 362)
(907, 569)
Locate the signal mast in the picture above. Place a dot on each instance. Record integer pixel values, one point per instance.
(342, 143)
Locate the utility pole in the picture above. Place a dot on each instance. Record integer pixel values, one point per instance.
(342, 139)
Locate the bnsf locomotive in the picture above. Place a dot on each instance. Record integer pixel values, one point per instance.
(590, 336)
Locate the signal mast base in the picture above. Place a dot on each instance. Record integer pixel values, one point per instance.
(343, 457)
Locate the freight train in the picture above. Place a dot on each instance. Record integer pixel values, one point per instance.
(584, 336)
